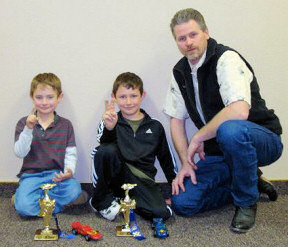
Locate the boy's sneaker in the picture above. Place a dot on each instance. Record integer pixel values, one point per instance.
(266, 187)
(109, 213)
(91, 205)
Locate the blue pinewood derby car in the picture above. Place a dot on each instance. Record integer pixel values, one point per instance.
(159, 228)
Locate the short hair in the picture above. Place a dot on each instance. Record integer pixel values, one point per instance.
(49, 79)
(186, 15)
(128, 80)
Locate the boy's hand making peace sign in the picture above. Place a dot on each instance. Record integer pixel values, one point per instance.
(31, 119)
(110, 117)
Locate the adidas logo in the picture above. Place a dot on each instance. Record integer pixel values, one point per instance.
(149, 131)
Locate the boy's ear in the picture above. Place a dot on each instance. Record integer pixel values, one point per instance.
(60, 97)
(143, 95)
(112, 96)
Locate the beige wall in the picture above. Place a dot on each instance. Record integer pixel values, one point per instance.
(87, 43)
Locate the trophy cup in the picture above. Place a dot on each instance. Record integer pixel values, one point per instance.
(47, 206)
(126, 205)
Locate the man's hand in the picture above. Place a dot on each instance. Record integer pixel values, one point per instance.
(31, 119)
(195, 147)
(63, 176)
(110, 117)
(186, 171)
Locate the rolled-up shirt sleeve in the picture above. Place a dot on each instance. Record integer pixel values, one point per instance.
(174, 105)
(70, 159)
(23, 145)
(234, 78)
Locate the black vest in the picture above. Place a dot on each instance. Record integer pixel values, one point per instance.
(210, 98)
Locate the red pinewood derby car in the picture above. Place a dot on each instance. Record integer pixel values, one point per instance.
(86, 231)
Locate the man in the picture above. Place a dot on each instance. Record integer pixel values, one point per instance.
(216, 87)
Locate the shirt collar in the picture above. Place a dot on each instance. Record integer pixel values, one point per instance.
(55, 121)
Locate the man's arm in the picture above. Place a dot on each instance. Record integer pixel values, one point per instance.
(165, 156)
(234, 78)
(180, 142)
(175, 107)
(179, 138)
(238, 110)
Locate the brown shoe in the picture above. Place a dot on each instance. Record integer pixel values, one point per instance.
(83, 198)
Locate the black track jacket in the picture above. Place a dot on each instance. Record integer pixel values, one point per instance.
(140, 149)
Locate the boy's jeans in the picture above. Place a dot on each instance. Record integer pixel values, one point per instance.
(221, 179)
(29, 192)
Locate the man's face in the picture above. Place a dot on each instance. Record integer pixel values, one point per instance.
(191, 40)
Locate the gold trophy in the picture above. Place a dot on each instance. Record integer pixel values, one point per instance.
(126, 205)
(47, 206)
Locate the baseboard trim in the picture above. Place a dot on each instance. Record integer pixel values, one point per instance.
(7, 189)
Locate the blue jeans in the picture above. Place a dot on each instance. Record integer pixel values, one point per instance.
(29, 192)
(245, 146)
(211, 191)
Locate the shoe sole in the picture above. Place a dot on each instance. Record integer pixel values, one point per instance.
(91, 206)
(239, 231)
(95, 211)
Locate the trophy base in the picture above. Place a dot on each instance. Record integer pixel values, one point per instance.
(122, 231)
(40, 235)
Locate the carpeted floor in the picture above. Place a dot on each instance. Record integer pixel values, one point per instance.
(207, 229)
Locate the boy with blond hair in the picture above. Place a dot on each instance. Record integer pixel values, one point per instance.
(130, 140)
(46, 142)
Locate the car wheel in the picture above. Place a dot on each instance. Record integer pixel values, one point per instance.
(74, 231)
(87, 237)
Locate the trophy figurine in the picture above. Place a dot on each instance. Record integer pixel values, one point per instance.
(126, 205)
(47, 206)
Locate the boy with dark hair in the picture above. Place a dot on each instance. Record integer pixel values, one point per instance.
(130, 141)
(46, 142)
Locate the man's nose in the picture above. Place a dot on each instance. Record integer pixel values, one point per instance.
(189, 41)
